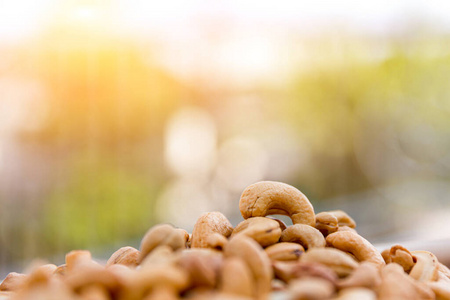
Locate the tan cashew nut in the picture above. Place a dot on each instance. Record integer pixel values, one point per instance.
(326, 223)
(337, 260)
(308, 236)
(163, 234)
(207, 224)
(426, 267)
(400, 255)
(358, 246)
(127, 256)
(257, 260)
(285, 251)
(270, 197)
(263, 230)
(343, 218)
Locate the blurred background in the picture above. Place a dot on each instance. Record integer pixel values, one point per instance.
(116, 115)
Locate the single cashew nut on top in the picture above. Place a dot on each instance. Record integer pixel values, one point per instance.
(206, 225)
(358, 246)
(400, 255)
(276, 198)
(263, 230)
(308, 236)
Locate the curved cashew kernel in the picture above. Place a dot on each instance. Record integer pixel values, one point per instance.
(362, 249)
(337, 260)
(396, 284)
(263, 230)
(216, 241)
(356, 293)
(207, 224)
(400, 255)
(127, 256)
(285, 251)
(160, 276)
(311, 288)
(161, 255)
(287, 271)
(236, 278)
(202, 265)
(13, 281)
(283, 225)
(258, 261)
(308, 236)
(365, 275)
(426, 267)
(326, 223)
(276, 198)
(163, 234)
(440, 288)
(77, 257)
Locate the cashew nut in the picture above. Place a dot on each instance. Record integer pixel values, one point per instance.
(308, 236)
(127, 256)
(426, 267)
(163, 234)
(396, 284)
(400, 255)
(285, 251)
(258, 261)
(276, 198)
(337, 260)
(263, 230)
(343, 218)
(365, 275)
(202, 265)
(207, 224)
(326, 223)
(356, 293)
(287, 271)
(13, 281)
(311, 288)
(362, 249)
(237, 278)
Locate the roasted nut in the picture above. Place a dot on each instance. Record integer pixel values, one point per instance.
(263, 230)
(326, 223)
(400, 255)
(258, 262)
(340, 262)
(365, 275)
(356, 293)
(76, 258)
(311, 288)
(285, 251)
(127, 256)
(358, 246)
(202, 265)
(13, 281)
(237, 278)
(287, 271)
(308, 236)
(163, 234)
(396, 284)
(426, 267)
(276, 198)
(343, 218)
(206, 225)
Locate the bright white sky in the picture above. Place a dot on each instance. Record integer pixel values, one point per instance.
(22, 18)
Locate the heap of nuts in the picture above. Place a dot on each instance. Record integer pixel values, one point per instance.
(320, 256)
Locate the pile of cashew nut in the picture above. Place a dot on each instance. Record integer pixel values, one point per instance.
(320, 256)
